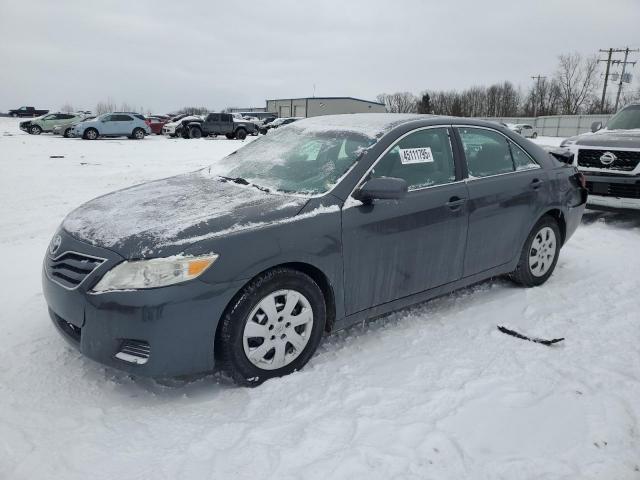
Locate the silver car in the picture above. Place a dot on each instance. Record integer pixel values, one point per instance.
(65, 128)
(115, 124)
(524, 129)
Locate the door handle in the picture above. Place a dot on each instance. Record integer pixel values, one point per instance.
(455, 203)
(536, 183)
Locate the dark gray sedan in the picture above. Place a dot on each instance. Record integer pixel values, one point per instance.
(320, 225)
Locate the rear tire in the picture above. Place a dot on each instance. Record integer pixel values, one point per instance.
(35, 130)
(241, 134)
(247, 329)
(540, 254)
(90, 134)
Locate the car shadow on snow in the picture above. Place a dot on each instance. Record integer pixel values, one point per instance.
(618, 219)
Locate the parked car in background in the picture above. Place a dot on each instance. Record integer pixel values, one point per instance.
(278, 122)
(46, 123)
(524, 129)
(116, 124)
(259, 115)
(609, 158)
(156, 123)
(220, 124)
(174, 128)
(67, 129)
(27, 112)
(312, 228)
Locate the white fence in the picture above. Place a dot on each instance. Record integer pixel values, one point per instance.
(558, 125)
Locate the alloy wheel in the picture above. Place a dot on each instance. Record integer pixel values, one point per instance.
(278, 329)
(542, 252)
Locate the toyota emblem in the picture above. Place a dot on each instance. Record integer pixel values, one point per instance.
(608, 158)
(55, 244)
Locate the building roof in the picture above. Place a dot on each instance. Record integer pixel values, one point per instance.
(325, 98)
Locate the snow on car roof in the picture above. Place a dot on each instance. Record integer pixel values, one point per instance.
(369, 124)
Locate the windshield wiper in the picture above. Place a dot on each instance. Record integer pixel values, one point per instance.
(239, 180)
(243, 181)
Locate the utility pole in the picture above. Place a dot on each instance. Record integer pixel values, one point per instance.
(606, 78)
(624, 67)
(535, 103)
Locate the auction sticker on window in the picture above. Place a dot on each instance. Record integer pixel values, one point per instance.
(416, 155)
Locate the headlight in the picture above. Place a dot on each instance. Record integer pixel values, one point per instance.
(156, 272)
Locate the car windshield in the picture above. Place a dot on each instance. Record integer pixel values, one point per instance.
(296, 161)
(625, 119)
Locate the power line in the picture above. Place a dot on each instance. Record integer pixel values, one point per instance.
(606, 78)
(624, 67)
(610, 62)
(535, 103)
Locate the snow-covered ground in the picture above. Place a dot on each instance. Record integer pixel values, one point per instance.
(434, 392)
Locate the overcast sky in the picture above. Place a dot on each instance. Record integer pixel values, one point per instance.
(163, 55)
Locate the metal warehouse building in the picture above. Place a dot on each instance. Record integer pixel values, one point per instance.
(316, 106)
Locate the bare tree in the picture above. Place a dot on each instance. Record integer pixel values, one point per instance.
(67, 107)
(542, 99)
(577, 77)
(400, 102)
(105, 106)
(193, 110)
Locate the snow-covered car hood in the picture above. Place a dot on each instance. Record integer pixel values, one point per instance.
(168, 215)
(607, 138)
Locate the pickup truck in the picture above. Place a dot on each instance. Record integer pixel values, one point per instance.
(27, 112)
(609, 158)
(221, 124)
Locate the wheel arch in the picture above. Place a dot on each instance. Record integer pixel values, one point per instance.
(316, 274)
(558, 216)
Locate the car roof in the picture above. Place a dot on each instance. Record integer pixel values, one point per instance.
(375, 125)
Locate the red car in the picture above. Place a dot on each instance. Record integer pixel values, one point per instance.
(156, 124)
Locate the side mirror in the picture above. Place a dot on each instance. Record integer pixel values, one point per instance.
(562, 155)
(383, 188)
(595, 126)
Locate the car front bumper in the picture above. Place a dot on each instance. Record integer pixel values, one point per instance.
(176, 323)
(613, 192)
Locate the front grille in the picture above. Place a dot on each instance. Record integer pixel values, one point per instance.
(622, 190)
(626, 161)
(71, 268)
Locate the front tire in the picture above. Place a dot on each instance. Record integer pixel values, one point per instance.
(241, 134)
(535, 135)
(138, 134)
(195, 132)
(67, 133)
(90, 134)
(540, 254)
(35, 130)
(272, 328)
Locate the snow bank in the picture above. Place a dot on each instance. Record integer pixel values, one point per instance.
(432, 392)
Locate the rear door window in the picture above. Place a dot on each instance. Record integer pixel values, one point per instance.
(521, 160)
(487, 152)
